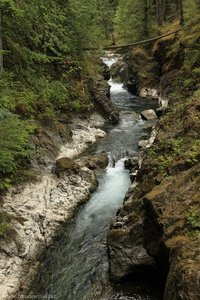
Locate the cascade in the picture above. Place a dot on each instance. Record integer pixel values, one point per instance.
(76, 266)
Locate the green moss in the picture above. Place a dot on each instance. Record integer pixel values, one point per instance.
(193, 220)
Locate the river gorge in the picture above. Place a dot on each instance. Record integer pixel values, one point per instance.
(100, 150)
(76, 265)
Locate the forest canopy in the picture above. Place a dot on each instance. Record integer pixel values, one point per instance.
(43, 62)
(135, 19)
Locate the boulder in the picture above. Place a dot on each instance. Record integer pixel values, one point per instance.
(98, 161)
(149, 93)
(66, 164)
(148, 114)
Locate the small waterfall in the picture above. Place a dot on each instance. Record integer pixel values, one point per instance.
(110, 60)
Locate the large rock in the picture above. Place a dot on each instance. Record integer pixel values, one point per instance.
(98, 161)
(66, 164)
(148, 114)
(131, 163)
(149, 93)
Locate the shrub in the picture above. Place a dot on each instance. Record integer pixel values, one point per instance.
(14, 137)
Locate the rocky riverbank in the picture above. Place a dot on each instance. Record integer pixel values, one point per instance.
(38, 209)
(156, 231)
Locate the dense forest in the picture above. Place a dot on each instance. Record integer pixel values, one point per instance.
(44, 68)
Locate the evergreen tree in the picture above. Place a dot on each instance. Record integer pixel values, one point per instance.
(131, 22)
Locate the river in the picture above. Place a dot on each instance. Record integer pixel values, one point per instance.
(75, 267)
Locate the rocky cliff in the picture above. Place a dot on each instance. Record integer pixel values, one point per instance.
(156, 233)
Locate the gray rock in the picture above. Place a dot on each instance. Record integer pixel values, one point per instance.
(98, 161)
(126, 251)
(148, 114)
(149, 93)
(83, 136)
(145, 144)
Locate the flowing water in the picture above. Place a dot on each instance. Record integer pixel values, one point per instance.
(76, 266)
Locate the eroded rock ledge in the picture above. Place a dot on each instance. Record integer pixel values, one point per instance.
(100, 90)
(38, 209)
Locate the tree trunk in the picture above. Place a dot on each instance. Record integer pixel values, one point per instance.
(1, 45)
(164, 10)
(179, 8)
(113, 39)
(146, 31)
(181, 12)
(159, 12)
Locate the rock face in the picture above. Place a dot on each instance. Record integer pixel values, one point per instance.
(85, 133)
(166, 207)
(48, 142)
(157, 230)
(125, 244)
(101, 92)
(148, 114)
(106, 72)
(38, 209)
(150, 232)
(163, 104)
